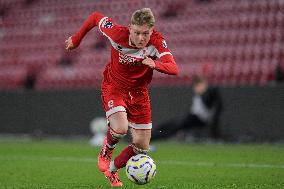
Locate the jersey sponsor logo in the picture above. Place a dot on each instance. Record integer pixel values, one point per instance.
(164, 44)
(107, 24)
(128, 60)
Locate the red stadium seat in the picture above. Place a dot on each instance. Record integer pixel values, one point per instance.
(12, 77)
(69, 78)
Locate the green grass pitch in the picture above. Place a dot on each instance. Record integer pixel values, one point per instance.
(72, 164)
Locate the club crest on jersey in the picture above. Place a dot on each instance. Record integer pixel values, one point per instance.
(119, 48)
(164, 44)
(107, 24)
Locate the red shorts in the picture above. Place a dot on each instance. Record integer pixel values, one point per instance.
(135, 102)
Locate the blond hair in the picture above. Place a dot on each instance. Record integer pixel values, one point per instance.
(142, 17)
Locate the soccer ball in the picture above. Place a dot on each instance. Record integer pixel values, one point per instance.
(140, 169)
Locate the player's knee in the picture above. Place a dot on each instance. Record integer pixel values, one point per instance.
(119, 128)
(118, 122)
(140, 149)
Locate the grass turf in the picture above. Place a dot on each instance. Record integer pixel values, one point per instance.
(73, 164)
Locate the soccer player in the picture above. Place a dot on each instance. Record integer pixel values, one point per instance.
(137, 50)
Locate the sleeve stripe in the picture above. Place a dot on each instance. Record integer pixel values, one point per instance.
(164, 53)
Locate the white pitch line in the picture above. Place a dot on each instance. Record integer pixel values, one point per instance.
(211, 164)
(169, 162)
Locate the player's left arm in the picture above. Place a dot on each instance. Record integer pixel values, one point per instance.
(166, 63)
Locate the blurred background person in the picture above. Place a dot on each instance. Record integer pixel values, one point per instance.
(204, 112)
(279, 70)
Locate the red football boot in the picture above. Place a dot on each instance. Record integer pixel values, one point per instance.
(113, 178)
(104, 157)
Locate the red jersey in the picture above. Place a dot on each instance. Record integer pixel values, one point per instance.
(125, 69)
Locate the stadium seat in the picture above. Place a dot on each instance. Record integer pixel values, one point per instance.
(13, 77)
(242, 39)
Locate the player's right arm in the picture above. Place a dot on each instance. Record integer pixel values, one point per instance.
(92, 21)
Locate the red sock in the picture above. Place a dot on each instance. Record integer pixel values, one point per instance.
(121, 160)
